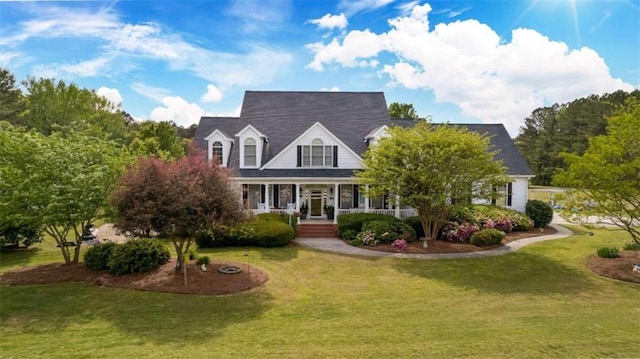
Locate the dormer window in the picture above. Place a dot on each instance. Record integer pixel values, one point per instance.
(216, 152)
(250, 152)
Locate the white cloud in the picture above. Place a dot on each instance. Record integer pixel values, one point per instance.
(467, 63)
(131, 43)
(331, 22)
(154, 93)
(7, 57)
(355, 6)
(257, 16)
(233, 113)
(213, 94)
(88, 68)
(113, 95)
(332, 89)
(177, 110)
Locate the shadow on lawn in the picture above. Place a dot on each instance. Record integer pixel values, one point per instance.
(17, 256)
(146, 316)
(519, 272)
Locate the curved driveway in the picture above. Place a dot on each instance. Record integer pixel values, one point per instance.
(338, 246)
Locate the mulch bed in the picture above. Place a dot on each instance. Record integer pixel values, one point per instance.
(163, 279)
(620, 268)
(457, 247)
(212, 282)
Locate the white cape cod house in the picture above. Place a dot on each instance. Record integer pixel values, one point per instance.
(295, 148)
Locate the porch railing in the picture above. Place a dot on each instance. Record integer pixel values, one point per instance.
(404, 213)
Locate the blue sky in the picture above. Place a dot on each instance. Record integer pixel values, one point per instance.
(458, 61)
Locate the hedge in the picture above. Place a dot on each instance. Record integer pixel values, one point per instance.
(261, 233)
(140, 255)
(354, 221)
(486, 237)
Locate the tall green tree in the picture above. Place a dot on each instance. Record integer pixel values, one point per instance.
(11, 98)
(430, 167)
(607, 176)
(59, 183)
(404, 110)
(158, 139)
(176, 199)
(57, 106)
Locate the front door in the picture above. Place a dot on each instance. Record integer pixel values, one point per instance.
(315, 208)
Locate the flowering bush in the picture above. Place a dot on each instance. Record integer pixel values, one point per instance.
(368, 238)
(455, 232)
(505, 224)
(401, 244)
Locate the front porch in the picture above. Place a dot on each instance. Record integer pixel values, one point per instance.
(318, 200)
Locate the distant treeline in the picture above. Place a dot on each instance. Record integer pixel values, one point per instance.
(548, 131)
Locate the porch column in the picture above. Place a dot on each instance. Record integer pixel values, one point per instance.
(398, 206)
(366, 200)
(266, 198)
(298, 199)
(336, 194)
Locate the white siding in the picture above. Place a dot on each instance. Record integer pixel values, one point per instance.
(520, 193)
(289, 158)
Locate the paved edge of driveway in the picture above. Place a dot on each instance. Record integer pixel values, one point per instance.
(336, 245)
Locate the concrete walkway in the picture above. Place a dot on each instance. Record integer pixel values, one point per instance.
(338, 246)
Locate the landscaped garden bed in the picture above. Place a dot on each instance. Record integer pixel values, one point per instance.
(164, 279)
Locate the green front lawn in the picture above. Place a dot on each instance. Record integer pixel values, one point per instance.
(538, 302)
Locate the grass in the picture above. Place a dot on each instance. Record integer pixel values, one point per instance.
(539, 302)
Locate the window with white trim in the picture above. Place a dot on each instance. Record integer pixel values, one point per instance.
(216, 151)
(316, 155)
(250, 152)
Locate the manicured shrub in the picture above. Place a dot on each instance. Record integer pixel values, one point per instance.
(521, 222)
(97, 257)
(355, 221)
(383, 230)
(608, 252)
(367, 238)
(356, 242)
(632, 246)
(454, 232)
(540, 212)
(491, 216)
(415, 223)
(250, 233)
(273, 234)
(487, 237)
(386, 231)
(461, 214)
(404, 231)
(349, 235)
(141, 255)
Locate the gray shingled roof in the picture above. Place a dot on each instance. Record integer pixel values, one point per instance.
(350, 116)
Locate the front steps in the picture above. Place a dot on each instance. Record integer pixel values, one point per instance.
(316, 230)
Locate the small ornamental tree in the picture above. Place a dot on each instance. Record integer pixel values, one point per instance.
(430, 167)
(606, 178)
(177, 199)
(58, 183)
